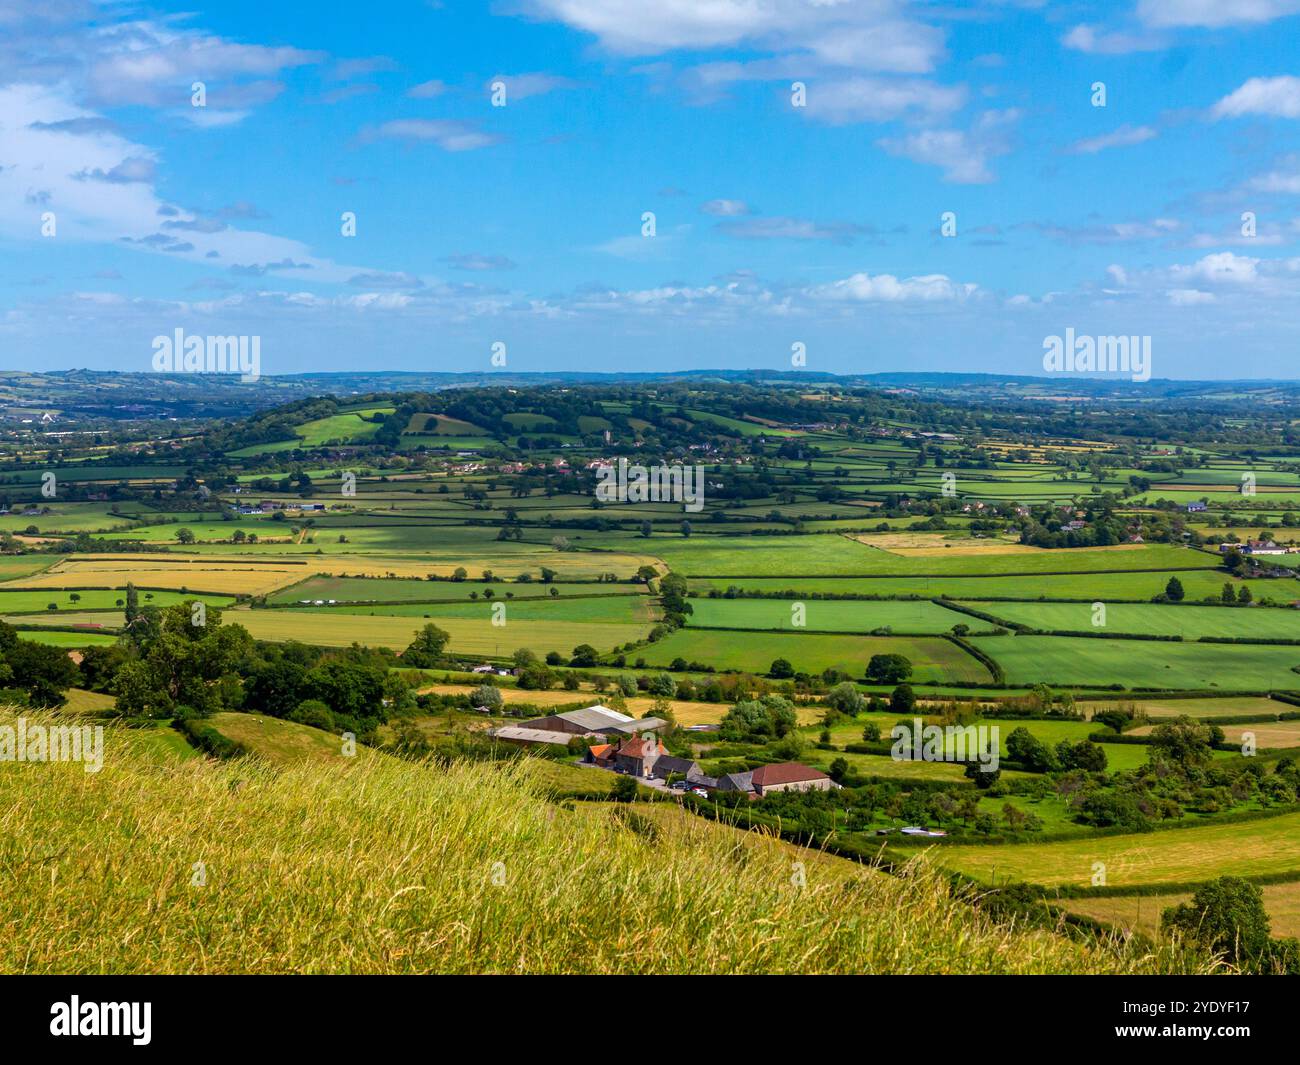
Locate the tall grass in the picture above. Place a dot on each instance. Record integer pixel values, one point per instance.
(376, 865)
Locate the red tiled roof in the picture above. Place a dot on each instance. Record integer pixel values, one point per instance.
(785, 773)
(639, 748)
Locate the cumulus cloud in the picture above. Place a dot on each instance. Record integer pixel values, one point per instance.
(886, 288)
(962, 154)
(1276, 97)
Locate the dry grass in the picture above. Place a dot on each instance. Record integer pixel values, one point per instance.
(1142, 912)
(385, 866)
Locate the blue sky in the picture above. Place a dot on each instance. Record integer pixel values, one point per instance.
(775, 224)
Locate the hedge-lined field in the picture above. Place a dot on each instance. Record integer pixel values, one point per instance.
(1064, 660)
(935, 660)
(1189, 622)
(911, 616)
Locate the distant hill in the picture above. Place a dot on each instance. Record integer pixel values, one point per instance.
(121, 396)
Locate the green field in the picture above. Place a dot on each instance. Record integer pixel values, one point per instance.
(1189, 622)
(469, 636)
(1064, 660)
(20, 602)
(1088, 587)
(917, 616)
(70, 640)
(934, 660)
(617, 609)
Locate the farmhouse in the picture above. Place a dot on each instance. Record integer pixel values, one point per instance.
(1262, 547)
(790, 776)
(1193, 508)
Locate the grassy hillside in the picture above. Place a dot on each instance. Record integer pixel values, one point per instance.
(377, 865)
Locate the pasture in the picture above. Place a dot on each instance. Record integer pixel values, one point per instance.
(915, 616)
(1189, 622)
(1068, 660)
(469, 636)
(934, 660)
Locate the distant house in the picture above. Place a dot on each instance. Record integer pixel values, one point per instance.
(790, 776)
(1075, 526)
(1193, 508)
(1262, 547)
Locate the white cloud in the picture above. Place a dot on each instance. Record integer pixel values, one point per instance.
(839, 101)
(1189, 297)
(1094, 41)
(886, 288)
(448, 134)
(1221, 268)
(725, 208)
(1119, 138)
(876, 35)
(1278, 97)
(963, 154)
(1214, 13)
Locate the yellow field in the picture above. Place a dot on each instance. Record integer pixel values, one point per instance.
(1142, 913)
(233, 576)
(1268, 734)
(927, 545)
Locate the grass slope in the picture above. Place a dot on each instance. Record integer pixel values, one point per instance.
(385, 866)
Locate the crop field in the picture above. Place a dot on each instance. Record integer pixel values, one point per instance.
(472, 636)
(1189, 622)
(618, 609)
(1262, 847)
(1065, 660)
(1201, 709)
(827, 555)
(13, 602)
(71, 640)
(1088, 588)
(1141, 913)
(917, 616)
(935, 660)
(382, 590)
